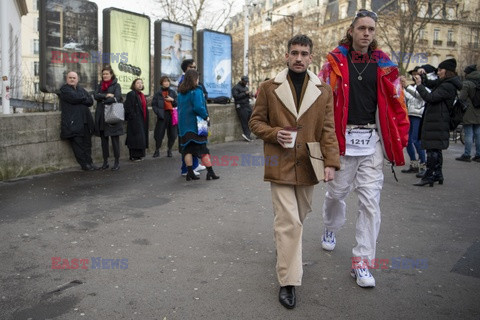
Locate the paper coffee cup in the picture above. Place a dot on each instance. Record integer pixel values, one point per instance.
(293, 134)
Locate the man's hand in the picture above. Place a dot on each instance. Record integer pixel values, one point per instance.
(284, 137)
(329, 173)
(109, 95)
(418, 79)
(421, 71)
(403, 81)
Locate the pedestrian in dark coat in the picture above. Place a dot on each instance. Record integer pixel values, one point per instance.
(108, 91)
(435, 128)
(242, 95)
(164, 104)
(136, 115)
(471, 118)
(77, 120)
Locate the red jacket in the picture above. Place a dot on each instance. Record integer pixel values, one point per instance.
(391, 117)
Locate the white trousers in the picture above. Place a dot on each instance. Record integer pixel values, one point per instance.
(364, 175)
(290, 206)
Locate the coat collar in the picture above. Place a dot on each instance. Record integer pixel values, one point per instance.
(284, 93)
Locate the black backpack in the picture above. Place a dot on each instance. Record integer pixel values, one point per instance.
(456, 112)
(476, 96)
(221, 100)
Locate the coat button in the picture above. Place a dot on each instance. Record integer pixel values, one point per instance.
(298, 146)
(297, 163)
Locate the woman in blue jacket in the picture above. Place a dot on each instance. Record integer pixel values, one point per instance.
(191, 103)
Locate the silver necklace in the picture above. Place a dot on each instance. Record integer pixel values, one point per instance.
(359, 73)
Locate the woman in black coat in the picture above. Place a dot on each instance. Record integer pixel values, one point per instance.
(136, 115)
(435, 127)
(108, 90)
(164, 104)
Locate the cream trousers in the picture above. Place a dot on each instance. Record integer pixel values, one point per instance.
(290, 206)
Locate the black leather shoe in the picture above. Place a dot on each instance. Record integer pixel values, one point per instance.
(94, 166)
(169, 153)
(88, 167)
(156, 154)
(286, 296)
(105, 165)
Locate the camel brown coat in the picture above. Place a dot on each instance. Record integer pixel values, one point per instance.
(275, 109)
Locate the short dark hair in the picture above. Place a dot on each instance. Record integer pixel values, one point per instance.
(109, 69)
(188, 82)
(302, 40)
(132, 87)
(450, 74)
(186, 63)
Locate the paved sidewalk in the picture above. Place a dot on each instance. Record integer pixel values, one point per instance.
(205, 250)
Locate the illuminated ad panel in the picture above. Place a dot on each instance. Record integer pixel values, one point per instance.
(215, 62)
(126, 47)
(68, 36)
(173, 44)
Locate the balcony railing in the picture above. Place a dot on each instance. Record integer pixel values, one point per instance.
(423, 42)
(437, 42)
(451, 43)
(473, 45)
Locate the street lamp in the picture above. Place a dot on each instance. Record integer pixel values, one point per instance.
(291, 18)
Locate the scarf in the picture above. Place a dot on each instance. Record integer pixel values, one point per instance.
(106, 84)
(167, 105)
(144, 105)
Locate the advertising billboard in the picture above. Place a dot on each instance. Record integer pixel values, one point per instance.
(173, 44)
(126, 38)
(68, 35)
(215, 62)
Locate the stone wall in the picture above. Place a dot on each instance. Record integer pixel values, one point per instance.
(30, 142)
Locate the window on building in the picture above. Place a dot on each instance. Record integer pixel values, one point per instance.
(450, 36)
(436, 34)
(421, 34)
(36, 87)
(36, 46)
(36, 68)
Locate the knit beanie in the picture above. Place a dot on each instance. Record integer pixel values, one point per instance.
(470, 68)
(449, 64)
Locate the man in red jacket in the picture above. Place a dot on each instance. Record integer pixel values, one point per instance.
(371, 123)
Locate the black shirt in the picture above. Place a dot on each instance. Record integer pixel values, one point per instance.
(363, 93)
(297, 81)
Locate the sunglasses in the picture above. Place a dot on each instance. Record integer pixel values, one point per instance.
(366, 13)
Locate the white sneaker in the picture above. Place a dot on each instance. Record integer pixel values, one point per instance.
(200, 168)
(246, 138)
(328, 240)
(362, 274)
(195, 172)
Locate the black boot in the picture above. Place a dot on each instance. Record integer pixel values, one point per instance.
(211, 175)
(156, 154)
(169, 153)
(425, 180)
(116, 165)
(190, 174)
(105, 165)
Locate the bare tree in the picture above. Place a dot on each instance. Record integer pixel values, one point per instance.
(198, 14)
(401, 25)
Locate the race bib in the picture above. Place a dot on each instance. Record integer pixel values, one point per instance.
(360, 142)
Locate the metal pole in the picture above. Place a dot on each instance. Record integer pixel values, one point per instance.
(245, 39)
(5, 68)
(292, 24)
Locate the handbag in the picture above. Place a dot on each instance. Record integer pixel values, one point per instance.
(202, 127)
(316, 159)
(114, 113)
(174, 117)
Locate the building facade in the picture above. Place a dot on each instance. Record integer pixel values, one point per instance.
(11, 12)
(443, 29)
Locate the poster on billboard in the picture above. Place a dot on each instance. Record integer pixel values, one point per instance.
(173, 44)
(68, 37)
(126, 38)
(215, 62)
